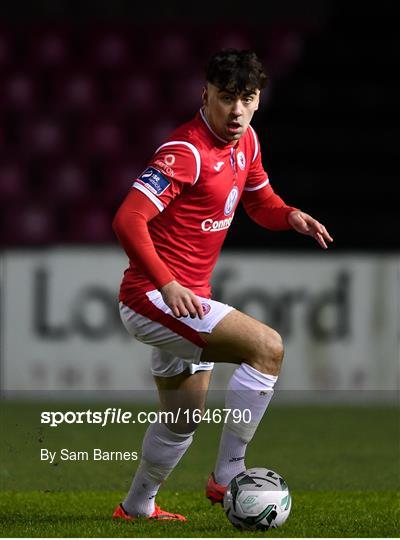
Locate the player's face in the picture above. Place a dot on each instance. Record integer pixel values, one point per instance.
(229, 114)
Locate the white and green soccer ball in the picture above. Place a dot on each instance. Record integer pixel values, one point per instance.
(257, 498)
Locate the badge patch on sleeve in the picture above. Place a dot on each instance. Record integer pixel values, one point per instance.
(154, 180)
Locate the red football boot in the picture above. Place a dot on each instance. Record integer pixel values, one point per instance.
(119, 513)
(215, 492)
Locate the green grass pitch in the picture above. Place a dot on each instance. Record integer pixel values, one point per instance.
(342, 464)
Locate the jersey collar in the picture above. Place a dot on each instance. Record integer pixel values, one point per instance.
(220, 139)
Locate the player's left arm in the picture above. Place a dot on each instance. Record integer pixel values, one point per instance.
(306, 224)
(266, 208)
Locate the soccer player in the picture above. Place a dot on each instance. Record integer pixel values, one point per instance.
(172, 225)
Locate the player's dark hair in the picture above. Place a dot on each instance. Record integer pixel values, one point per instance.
(236, 70)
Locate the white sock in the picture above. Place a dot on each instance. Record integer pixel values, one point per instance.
(248, 389)
(161, 451)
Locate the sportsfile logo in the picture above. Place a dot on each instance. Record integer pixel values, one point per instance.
(114, 415)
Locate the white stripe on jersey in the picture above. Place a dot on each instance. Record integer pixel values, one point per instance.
(150, 195)
(192, 148)
(257, 187)
(255, 144)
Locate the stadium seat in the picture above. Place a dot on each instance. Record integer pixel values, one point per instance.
(136, 92)
(42, 135)
(5, 50)
(187, 95)
(19, 91)
(160, 130)
(108, 50)
(76, 92)
(171, 52)
(49, 48)
(102, 137)
(89, 223)
(119, 177)
(13, 186)
(30, 224)
(65, 182)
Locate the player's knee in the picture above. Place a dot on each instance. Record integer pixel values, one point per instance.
(276, 348)
(270, 353)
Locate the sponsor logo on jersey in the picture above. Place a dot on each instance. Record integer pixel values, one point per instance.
(231, 200)
(211, 225)
(169, 159)
(218, 166)
(241, 160)
(154, 180)
(164, 167)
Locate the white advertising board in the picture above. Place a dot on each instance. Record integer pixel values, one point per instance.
(338, 315)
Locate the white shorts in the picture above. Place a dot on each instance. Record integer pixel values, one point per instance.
(178, 343)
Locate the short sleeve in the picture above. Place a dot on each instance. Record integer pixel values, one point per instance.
(174, 165)
(257, 177)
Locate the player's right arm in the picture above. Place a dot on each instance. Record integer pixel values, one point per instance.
(130, 225)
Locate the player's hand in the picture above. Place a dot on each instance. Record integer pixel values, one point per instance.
(182, 301)
(305, 224)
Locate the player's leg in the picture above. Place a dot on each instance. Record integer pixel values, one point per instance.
(223, 335)
(182, 380)
(182, 395)
(258, 349)
(239, 338)
(164, 444)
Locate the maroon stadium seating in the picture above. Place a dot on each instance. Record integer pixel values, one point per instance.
(82, 110)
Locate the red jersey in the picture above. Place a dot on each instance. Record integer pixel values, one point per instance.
(196, 180)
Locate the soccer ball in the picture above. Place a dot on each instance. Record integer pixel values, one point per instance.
(257, 499)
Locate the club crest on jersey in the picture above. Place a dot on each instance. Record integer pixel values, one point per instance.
(231, 201)
(206, 308)
(154, 180)
(241, 160)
